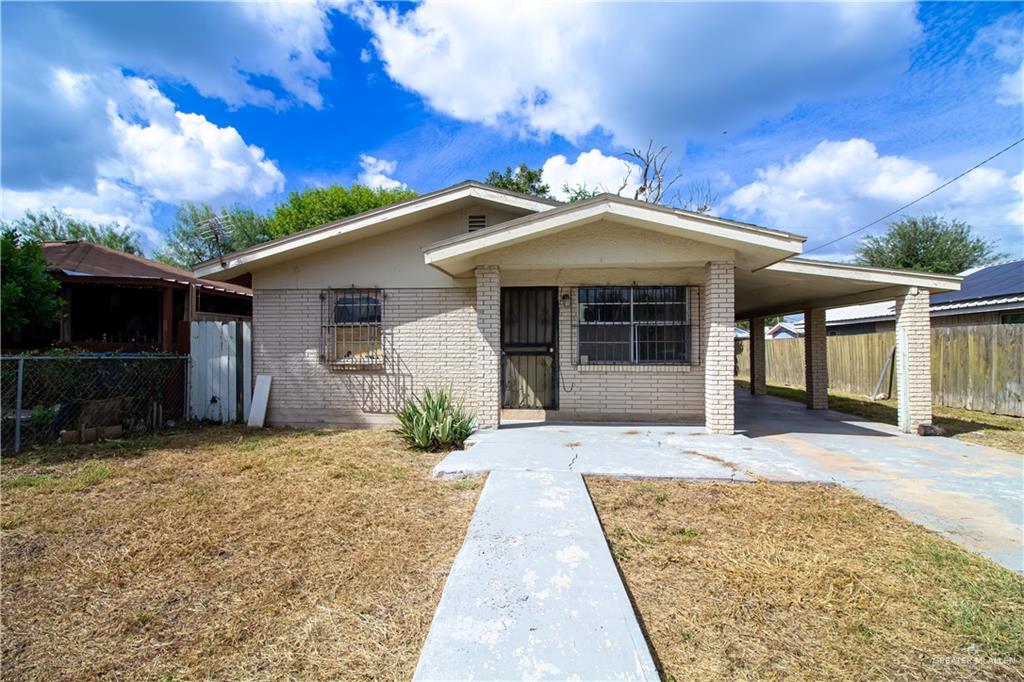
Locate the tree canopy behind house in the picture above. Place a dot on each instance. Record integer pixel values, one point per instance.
(54, 225)
(190, 238)
(318, 205)
(522, 179)
(29, 297)
(927, 244)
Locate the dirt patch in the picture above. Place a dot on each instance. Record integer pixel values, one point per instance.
(807, 582)
(226, 554)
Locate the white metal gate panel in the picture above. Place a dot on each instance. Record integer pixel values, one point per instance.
(220, 371)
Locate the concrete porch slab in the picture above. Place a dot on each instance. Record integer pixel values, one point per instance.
(534, 592)
(625, 451)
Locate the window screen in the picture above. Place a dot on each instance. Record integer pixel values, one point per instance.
(352, 327)
(634, 325)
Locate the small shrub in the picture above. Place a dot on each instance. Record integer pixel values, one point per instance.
(435, 422)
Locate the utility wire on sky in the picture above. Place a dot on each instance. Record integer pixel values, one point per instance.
(920, 198)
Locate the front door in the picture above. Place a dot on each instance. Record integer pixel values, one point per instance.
(529, 336)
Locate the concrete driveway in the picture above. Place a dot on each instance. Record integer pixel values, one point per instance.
(971, 494)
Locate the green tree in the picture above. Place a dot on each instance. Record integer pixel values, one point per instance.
(29, 297)
(190, 240)
(55, 225)
(315, 206)
(580, 192)
(927, 244)
(523, 179)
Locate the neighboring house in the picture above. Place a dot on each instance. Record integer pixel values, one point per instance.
(607, 308)
(990, 295)
(741, 333)
(114, 301)
(785, 330)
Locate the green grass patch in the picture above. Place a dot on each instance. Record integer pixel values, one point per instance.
(982, 601)
(27, 481)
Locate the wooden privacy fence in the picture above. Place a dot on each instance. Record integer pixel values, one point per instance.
(974, 367)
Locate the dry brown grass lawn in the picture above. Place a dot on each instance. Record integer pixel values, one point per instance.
(225, 554)
(771, 581)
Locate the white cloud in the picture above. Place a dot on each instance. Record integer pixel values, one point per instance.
(592, 170)
(153, 153)
(105, 203)
(1003, 41)
(375, 173)
(636, 71)
(86, 128)
(840, 186)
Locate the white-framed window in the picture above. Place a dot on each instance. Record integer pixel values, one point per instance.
(351, 331)
(634, 325)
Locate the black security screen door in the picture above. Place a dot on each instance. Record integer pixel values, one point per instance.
(529, 336)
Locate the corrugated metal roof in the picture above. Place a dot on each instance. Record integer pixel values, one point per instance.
(866, 311)
(85, 259)
(979, 303)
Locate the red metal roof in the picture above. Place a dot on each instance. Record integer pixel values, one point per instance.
(84, 259)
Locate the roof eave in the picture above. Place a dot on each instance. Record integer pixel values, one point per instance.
(237, 261)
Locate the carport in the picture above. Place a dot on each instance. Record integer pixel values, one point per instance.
(799, 285)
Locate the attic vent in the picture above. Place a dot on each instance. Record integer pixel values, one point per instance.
(477, 222)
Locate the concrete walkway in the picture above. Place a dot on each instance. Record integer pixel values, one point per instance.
(534, 592)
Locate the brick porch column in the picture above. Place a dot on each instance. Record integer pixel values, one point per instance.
(719, 347)
(488, 324)
(757, 368)
(816, 359)
(913, 360)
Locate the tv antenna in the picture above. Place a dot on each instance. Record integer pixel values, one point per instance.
(216, 230)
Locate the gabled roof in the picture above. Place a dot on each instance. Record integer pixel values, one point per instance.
(419, 207)
(755, 246)
(78, 260)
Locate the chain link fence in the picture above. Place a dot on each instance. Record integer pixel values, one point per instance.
(51, 399)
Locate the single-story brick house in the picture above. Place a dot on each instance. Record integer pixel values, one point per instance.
(607, 308)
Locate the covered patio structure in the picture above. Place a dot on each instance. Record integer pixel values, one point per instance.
(730, 272)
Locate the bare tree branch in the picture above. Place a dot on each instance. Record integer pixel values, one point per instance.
(654, 182)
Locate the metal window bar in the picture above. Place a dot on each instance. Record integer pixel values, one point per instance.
(636, 325)
(351, 330)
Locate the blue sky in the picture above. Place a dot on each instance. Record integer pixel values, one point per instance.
(815, 118)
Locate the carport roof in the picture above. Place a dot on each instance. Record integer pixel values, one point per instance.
(797, 284)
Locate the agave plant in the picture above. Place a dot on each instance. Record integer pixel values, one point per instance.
(434, 421)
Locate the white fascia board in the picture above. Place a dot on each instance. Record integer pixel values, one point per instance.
(859, 273)
(719, 231)
(357, 222)
(485, 241)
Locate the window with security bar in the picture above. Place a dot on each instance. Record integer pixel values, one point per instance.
(351, 329)
(635, 325)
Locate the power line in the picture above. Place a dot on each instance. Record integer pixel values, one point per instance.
(920, 198)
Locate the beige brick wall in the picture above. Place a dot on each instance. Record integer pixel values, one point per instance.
(913, 376)
(429, 340)
(628, 393)
(816, 359)
(488, 348)
(451, 337)
(719, 324)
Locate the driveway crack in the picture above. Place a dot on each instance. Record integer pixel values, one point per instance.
(575, 456)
